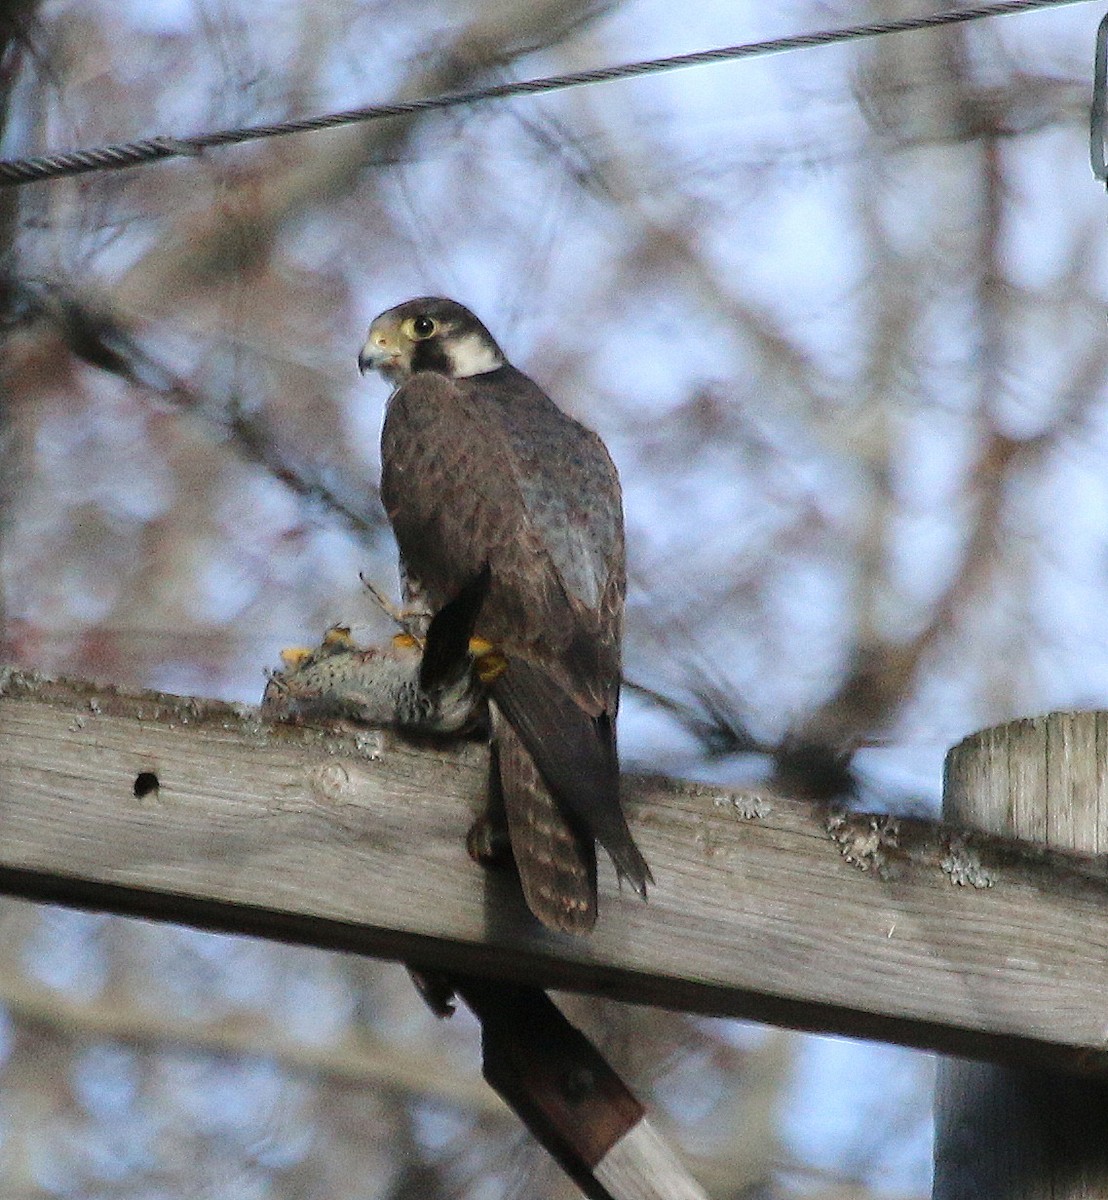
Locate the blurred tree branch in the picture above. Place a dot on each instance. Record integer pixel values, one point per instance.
(237, 232)
(358, 1058)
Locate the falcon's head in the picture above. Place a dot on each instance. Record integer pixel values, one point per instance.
(429, 334)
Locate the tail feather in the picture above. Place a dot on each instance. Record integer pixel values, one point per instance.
(575, 754)
(556, 863)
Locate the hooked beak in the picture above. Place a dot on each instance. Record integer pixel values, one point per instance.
(370, 359)
(378, 355)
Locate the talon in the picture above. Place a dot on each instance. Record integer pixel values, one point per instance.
(488, 843)
(490, 666)
(488, 662)
(405, 641)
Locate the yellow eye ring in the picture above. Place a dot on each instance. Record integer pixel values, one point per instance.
(420, 328)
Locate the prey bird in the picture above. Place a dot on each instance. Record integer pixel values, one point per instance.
(479, 468)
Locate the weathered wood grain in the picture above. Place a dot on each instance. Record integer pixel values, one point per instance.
(764, 907)
(1026, 1131)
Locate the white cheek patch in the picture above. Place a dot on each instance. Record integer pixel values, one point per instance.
(472, 355)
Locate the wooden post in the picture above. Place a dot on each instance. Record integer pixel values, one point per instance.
(571, 1100)
(1026, 1133)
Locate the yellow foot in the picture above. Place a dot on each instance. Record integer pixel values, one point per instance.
(490, 666)
(489, 663)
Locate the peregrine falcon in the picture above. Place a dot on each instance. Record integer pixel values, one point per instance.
(480, 468)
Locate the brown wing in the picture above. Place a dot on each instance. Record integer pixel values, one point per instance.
(488, 470)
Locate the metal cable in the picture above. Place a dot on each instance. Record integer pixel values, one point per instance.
(128, 154)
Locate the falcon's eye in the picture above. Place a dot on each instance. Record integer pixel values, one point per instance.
(423, 327)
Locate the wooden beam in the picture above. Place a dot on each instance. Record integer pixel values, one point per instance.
(765, 908)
